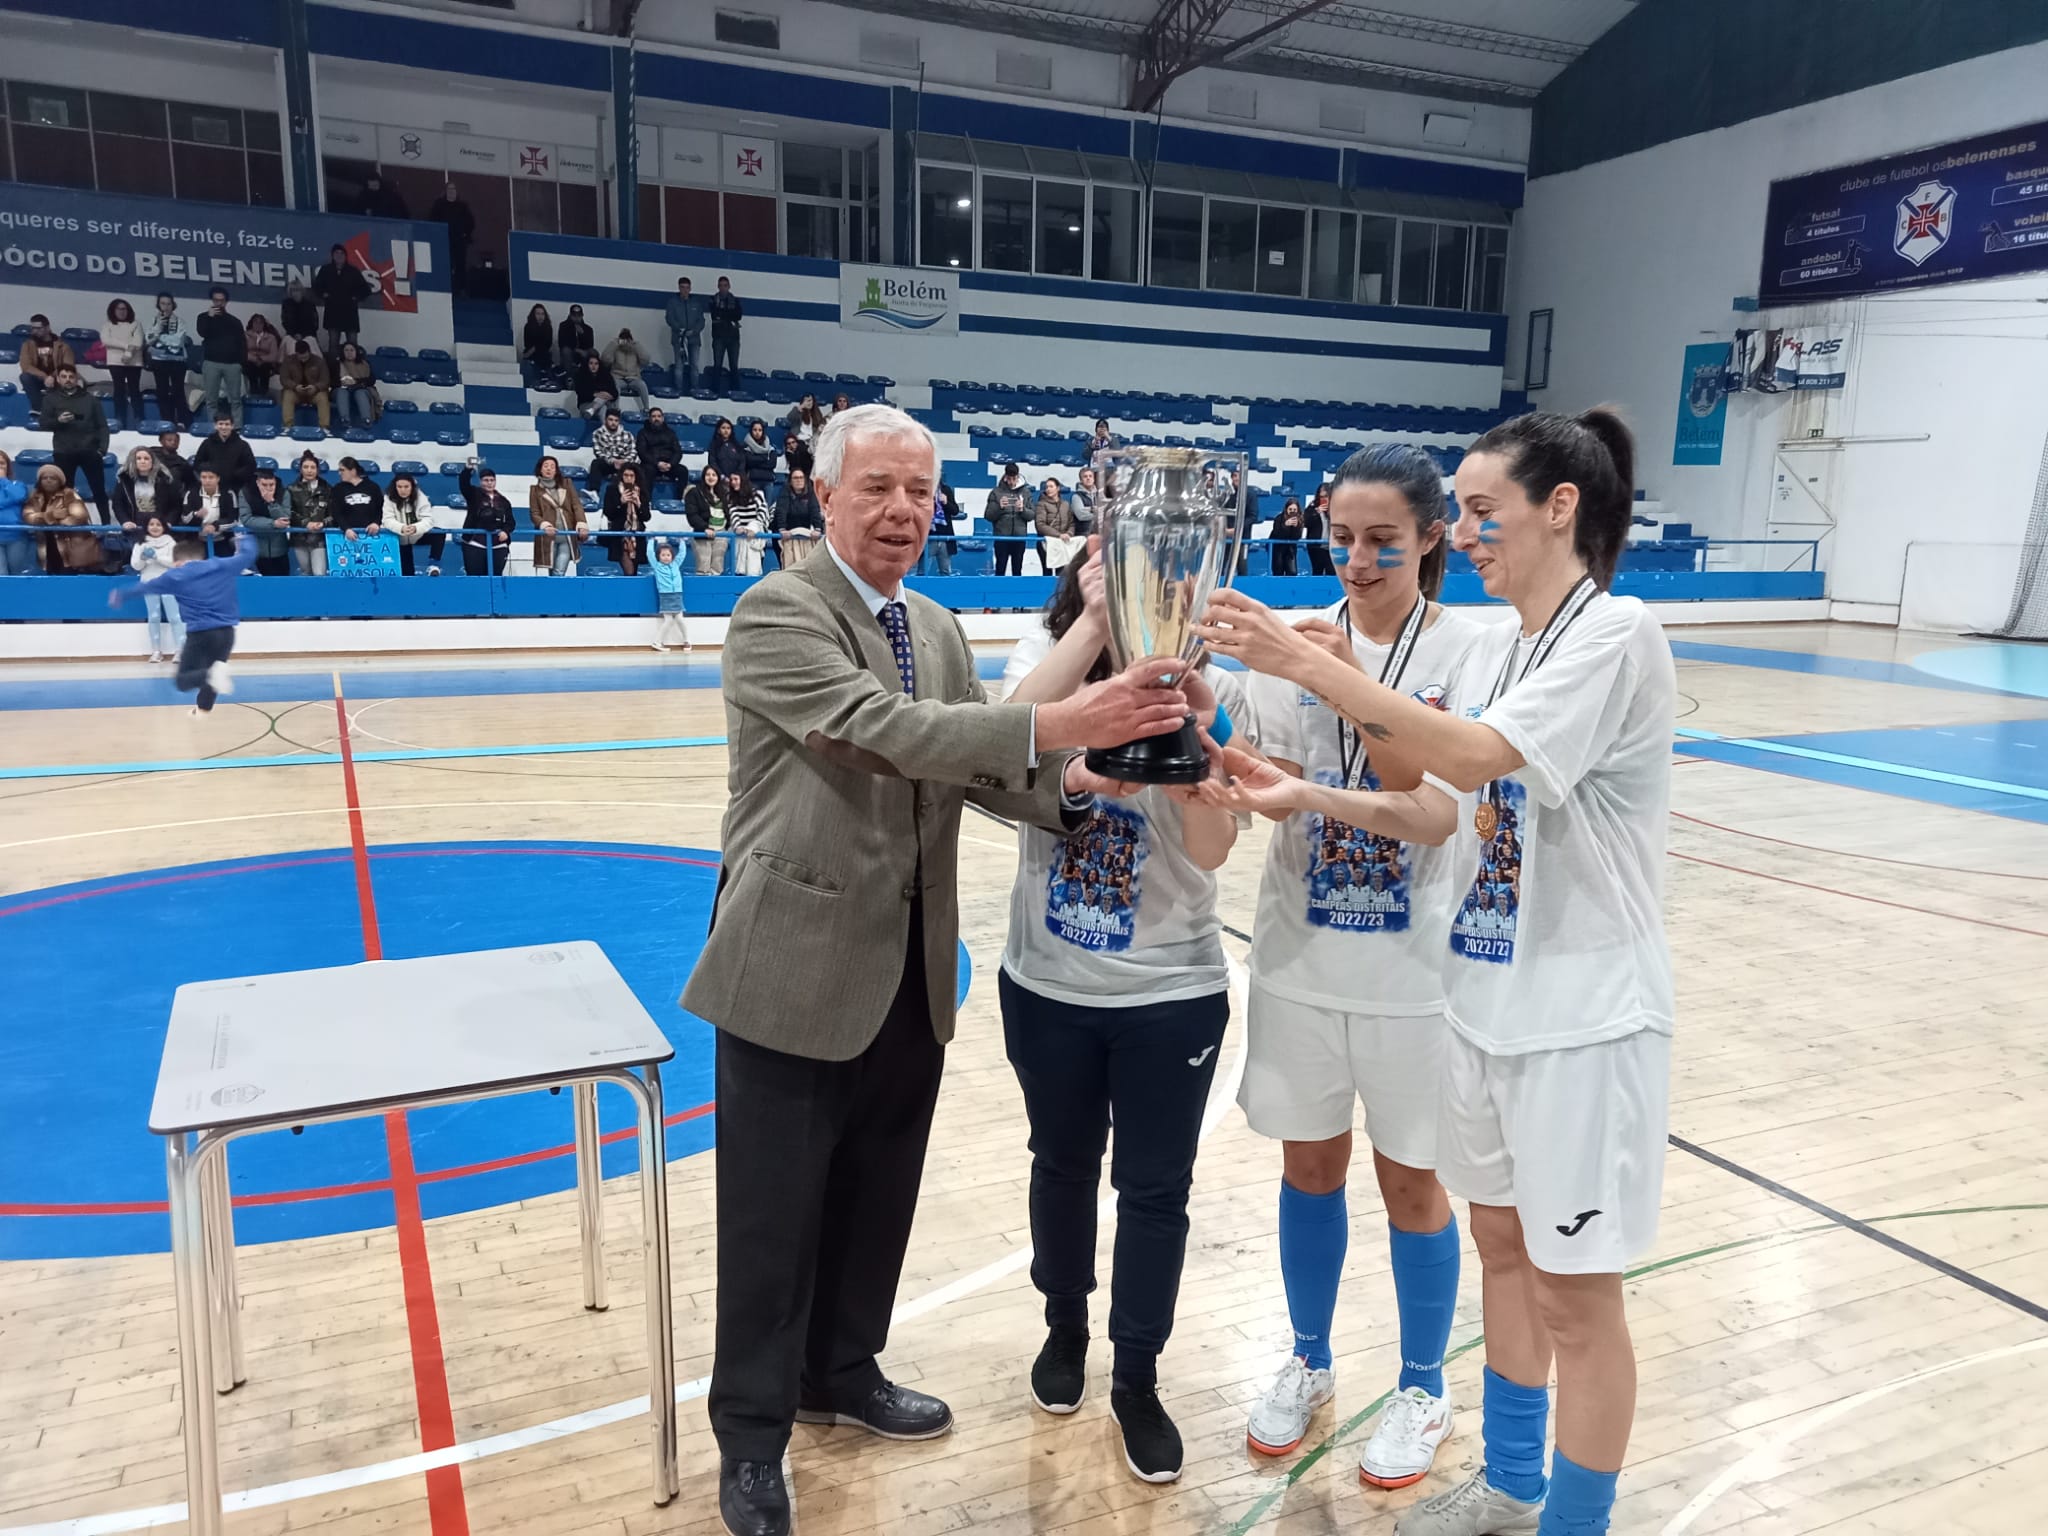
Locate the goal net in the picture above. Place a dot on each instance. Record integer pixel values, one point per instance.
(2028, 619)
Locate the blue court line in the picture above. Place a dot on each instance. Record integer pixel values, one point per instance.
(1868, 764)
(1964, 792)
(1831, 666)
(319, 759)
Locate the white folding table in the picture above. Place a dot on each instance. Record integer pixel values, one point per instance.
(264, 1053)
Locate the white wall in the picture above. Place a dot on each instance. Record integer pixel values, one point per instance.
(1643, 255)
(86, 56)
(407, 98)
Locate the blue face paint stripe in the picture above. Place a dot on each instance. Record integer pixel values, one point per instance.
(1867, 764)
(1392, 559)
(328, 759)
(1489, 531)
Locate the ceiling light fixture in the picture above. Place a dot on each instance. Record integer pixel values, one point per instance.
(963, 202)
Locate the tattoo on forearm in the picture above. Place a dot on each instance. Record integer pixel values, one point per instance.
(1376, 732)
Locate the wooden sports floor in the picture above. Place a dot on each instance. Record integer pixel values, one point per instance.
(1842, 1328)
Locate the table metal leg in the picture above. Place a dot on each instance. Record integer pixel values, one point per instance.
(223, 1290)
(185, 1175)
(661, 1354)
(590, 1194)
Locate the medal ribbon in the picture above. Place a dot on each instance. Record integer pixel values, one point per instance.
(1487, 815)
(1351, 753)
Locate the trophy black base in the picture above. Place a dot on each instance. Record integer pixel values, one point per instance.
(1173, 758)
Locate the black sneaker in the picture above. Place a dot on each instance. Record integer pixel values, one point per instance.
(1059, 1376)
(1151, 1444)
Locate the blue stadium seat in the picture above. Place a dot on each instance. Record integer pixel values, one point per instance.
(79, 337)
(408, 467)
(395, 353)
(265, 461)
(881, 381)
(404, 436)
(307, 435)
(397, 373)
(358, 435)
(443, 378)
(454, 437)
(434, 355)
(370, 466)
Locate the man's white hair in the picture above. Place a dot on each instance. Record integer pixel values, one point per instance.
(858, 423)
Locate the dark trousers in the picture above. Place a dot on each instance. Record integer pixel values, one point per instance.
(727, 347)
(482, 562)
(203, 647)
(128, 396)
(818, 1171)
(1147, 1069)
(1283, 558)
(170, 392)
(95, 467)
(1319, 563)
(434, 543)
(1009, 557)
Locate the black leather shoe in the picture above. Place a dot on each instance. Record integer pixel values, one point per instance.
(752, 1498)
(893, 1412)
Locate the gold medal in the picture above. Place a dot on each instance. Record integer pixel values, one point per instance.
(1486, 819)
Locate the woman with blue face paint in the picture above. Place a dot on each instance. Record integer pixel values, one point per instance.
(1346, 992)
(1557, 1065)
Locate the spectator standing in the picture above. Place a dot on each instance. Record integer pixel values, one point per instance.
(746, 515)
(1315, 529)
(758, 454)
(312, 503)
(938, 544)
(53, 504)
(123, 340)
(77, 426)
(355, 387)
(341, 289)
(173, 463)
(167, 345)
(459, 219)
(799, 520)
(358, 501)
(487, 530)
(726, 313)
(625, 511)
(796, 454)
(212, 509)
(1008, 511)
(704, 507)
(306, 381)
(1054, 521)
(223, 349)
(381, 200)
(724, 453)
(1248, 520)
(611, 446)
(409, 513)
(298, 315)
(805, 420)
(228, 454)
(537, 340)
(146, 488)
(574, 340)
(154, 553)
(556, 512)
(1100, 441)
(266, 356)
(661, 454)
(1085, 498)
(597, 392)
(1287, 531)
(668, 597)
(43, 352)
(628, 360)
(267, 518)
(685, 316)
(17, 544)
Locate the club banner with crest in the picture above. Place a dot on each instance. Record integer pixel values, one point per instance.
(1702, 404)
(1955, 214)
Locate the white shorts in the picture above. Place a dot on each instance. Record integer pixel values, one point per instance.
(1305, 1066)
(1573, 1140)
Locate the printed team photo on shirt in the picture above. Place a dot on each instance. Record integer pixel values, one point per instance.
(1091, 897)
(1485, 926)
(1356, 878)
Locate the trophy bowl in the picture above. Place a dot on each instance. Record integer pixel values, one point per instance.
(1170, 529)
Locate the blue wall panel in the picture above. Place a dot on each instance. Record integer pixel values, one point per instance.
(1009, 122)
(485, 51)
(744, 88)
(1242, 152)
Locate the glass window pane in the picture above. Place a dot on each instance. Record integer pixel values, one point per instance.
(1061, 210)
(1056, 162)
(262, 130)
(1233, 245)
(1332, 257)
(1376, 238)
(46, 106)
(1000, 157)
(536, 206)
(206, 174)
(1181, 177)
(811, 229)
(128, 114)
(1418, 242)
(1176, 240)
(1005, 224)
(141, 166)
(1490, 280)
(943, 146)
(579, 205)
(1113, 253)
(690, 216)
(1453, 251)
(1282, 240)
(945, 217)
(1229, 183)
(813, 170)
(1106, 168)
(206, 125)
(648, 201)
(266, 180)
(749, 223)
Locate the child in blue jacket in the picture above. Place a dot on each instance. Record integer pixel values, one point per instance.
(668, 597)
(205, 590)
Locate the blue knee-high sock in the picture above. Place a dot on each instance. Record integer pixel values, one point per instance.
(1426, 1294)
(1514, 1417)
(1580, 1500)
(1314, 1231)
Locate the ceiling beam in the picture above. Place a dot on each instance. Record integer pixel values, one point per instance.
(1427, 29)
(1182, 38)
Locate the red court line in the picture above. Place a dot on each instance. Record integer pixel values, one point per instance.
(1876, 901)
(521, 1159)
(447, 1512)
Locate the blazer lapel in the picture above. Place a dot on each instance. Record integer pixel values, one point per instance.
(869, 636)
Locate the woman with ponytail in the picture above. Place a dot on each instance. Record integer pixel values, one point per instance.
(1346, 998)
(1557, 1062)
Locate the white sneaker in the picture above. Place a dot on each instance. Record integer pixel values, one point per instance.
(220, 679)
(1403, 1448)
(658, 646)
(1474, 1508)
(156, 656)
(1279, 1420)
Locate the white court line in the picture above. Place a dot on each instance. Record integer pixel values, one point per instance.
(342, 810)
(467, 1451)
(1769, 1459)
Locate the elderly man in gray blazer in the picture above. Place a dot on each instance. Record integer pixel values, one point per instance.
(858, 730)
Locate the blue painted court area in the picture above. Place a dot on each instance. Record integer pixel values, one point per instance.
(2008, 668)
(1816, 665)
(92, 968)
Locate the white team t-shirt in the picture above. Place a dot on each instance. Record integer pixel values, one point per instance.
(1116, 912)
(1558, 939)
(1349, 920)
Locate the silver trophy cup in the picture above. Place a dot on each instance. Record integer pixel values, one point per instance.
(1170, 531)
